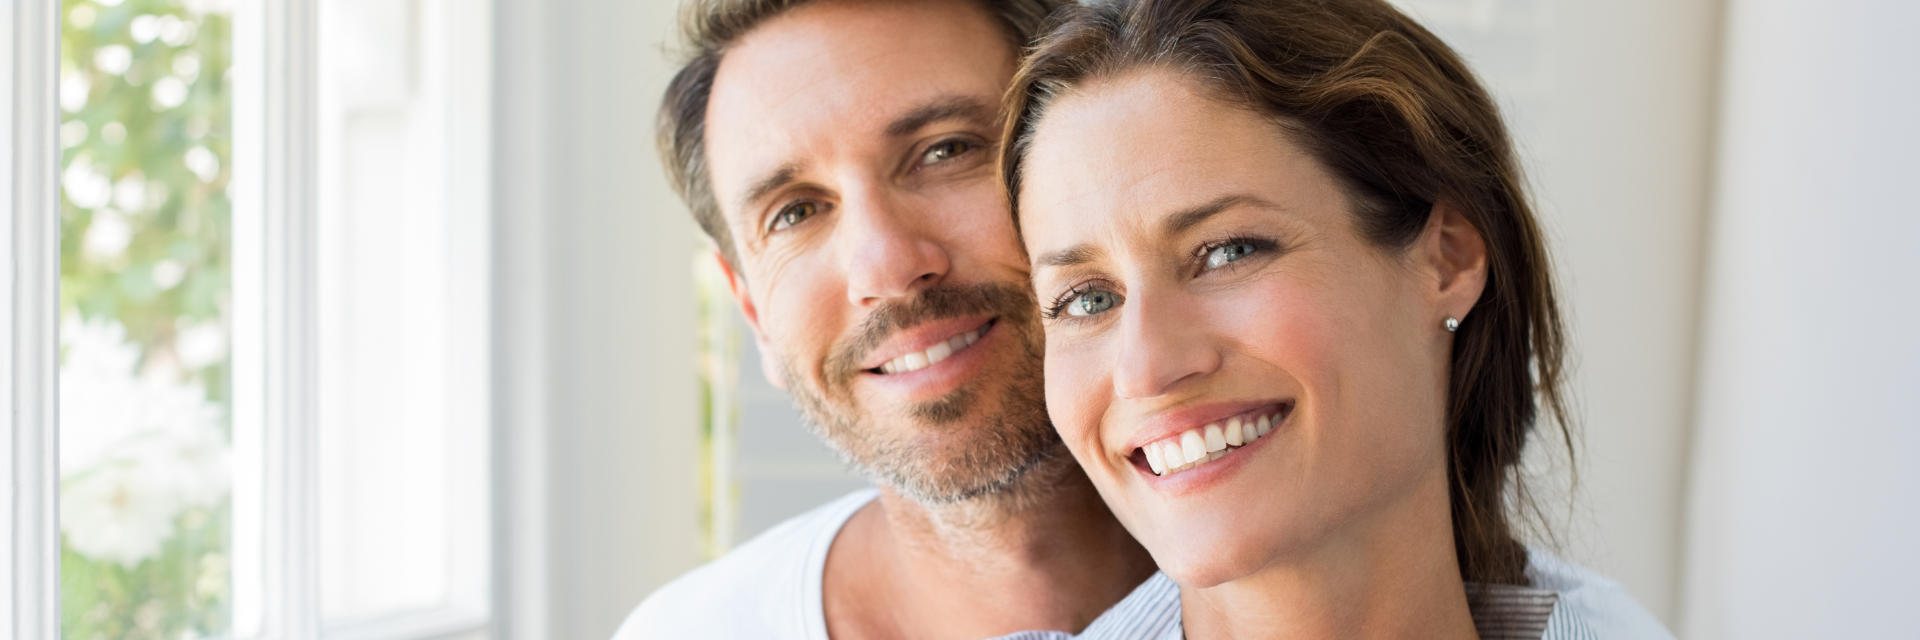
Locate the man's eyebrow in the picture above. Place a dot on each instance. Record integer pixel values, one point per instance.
(780, 177)
(1070, 256)
(941, 108)
(1187, 218)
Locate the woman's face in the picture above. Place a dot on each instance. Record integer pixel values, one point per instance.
(1244, 377)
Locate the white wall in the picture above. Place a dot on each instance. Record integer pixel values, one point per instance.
(595, 304)
(1611, 105)
(1805, 503)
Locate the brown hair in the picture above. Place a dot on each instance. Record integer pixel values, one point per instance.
(1399, 119)
(708, 28)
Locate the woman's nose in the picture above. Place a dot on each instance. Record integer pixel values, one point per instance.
(1162, 345)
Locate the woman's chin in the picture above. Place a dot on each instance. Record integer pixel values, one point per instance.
(1209, 563)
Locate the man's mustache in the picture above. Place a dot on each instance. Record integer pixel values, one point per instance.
(938, 303)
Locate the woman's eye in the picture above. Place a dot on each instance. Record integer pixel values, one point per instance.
(793, 214)
(1091, 302)
(1225, 253)
(944, 151)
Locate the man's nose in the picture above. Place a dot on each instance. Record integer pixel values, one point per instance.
(888, 251)
(1161, 345)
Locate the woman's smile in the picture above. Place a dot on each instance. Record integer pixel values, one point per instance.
(1185, 449)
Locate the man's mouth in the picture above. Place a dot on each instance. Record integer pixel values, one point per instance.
(932, 355)
(1198, 446)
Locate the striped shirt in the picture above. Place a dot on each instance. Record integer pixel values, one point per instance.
(1566, 602)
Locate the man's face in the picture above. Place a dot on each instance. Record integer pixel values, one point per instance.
(850, 147)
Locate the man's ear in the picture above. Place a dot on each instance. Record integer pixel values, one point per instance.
(1454, 252)
(769, 360)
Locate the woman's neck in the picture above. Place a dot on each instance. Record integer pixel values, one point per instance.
(1389, 574)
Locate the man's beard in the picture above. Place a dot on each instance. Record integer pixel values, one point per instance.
(998, 427)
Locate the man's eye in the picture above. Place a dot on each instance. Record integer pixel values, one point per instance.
(1091, 302)
(1227, 252)
(944, 151)
(793, 214)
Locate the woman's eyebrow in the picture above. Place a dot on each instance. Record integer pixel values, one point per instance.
(1187, 218)
(1077, 254)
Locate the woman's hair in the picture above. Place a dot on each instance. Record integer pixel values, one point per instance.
(1402, 124)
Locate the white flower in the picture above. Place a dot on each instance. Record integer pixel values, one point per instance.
(119, 512)
(134, 451)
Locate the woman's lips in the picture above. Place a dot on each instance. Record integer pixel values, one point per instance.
(1195, 447)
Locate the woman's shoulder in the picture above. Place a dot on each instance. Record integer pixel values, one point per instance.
(1589, 605)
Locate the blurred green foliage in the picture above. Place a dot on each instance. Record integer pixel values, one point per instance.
(145, 241)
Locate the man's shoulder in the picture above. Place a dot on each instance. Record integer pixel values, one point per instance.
(1589, 605)
(759, 589)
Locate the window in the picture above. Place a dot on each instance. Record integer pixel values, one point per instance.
(145, 295)
(273, 302)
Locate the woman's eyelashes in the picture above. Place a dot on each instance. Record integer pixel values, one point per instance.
(1094, 297)
(1084, 299)
(1225, 252)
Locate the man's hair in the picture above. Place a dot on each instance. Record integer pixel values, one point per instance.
(708, 28)
(1396, 115)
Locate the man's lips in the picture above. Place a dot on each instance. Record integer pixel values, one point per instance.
(927, 344)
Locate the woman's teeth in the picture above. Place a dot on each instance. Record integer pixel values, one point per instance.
(939, 351)
(1195, 447)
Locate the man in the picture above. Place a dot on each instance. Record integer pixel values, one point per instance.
(839, 154)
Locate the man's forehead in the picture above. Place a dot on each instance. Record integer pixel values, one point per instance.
(830, 76)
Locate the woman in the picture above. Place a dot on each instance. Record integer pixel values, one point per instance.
(1297, 314)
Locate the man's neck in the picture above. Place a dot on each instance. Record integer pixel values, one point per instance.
(1052, 558)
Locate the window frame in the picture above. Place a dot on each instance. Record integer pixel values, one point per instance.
(276, 328)
(276, 580)
(29, 287)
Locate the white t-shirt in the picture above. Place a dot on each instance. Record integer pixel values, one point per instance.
(767, 588)
(770, 588)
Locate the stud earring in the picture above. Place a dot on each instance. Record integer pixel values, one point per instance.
(1453, 324)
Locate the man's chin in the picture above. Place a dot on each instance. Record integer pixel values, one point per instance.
(942, 465)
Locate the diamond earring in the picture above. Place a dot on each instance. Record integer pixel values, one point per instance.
(1453, 324)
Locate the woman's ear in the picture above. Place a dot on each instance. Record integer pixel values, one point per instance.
(1454, 252)
(769, 359)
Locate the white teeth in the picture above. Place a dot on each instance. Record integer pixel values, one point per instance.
(933, 355)
(1153, 460)
(1216, 441)
(1171, 454)
(1194, 447)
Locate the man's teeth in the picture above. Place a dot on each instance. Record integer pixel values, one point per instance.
(933, 355)
(1195, 447)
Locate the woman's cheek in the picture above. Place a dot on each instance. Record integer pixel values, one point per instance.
(1074, 400)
